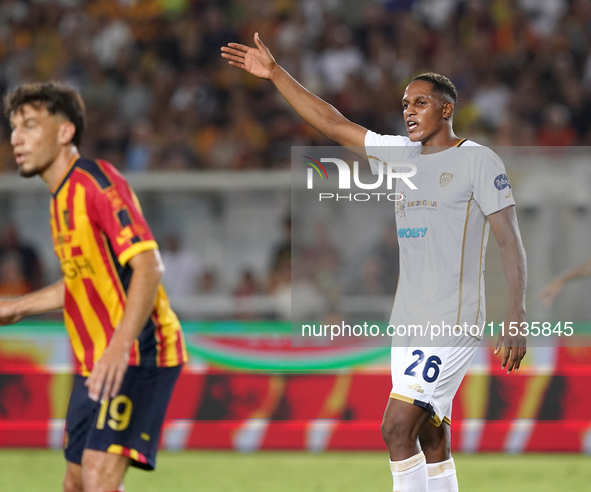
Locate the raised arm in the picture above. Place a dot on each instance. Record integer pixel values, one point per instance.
(318, 113)
(41, 301)
(506, 231)
(549, 292)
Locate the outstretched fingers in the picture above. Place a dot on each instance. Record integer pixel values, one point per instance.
(233, 54)
(233, 51)
(238, 46)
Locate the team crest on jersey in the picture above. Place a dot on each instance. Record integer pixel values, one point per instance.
(445, 179)
(67, 218)
(401, 207)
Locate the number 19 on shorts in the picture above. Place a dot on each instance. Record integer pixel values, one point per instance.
(119, 409)
(430, 371)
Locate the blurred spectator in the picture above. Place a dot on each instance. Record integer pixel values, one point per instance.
(135, 98)
(247, 285)
(182, 268)
(209, 284)
(544, 14)
(340, 59)
(491, 98)
(20, 263)
(140, 151)
(556, 130)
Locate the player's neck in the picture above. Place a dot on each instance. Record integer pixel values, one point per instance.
(440, 141)
(57, 169)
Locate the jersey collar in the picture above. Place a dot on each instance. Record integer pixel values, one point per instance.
(65, 176)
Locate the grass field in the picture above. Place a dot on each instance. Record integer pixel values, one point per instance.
(214, 471)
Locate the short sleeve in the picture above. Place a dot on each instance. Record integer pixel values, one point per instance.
(491, 187)
(387, 148)
(118, 215)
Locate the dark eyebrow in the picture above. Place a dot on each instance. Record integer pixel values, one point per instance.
(420, 96)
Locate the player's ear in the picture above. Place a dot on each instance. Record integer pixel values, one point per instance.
(448, 109)
(66, 132)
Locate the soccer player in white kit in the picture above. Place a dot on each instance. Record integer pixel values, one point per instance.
(443, 227)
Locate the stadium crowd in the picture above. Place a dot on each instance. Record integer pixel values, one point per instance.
(159, 95)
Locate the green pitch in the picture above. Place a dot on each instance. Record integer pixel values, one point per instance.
(213, 471)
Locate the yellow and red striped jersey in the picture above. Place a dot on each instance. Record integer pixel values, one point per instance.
(97, 227)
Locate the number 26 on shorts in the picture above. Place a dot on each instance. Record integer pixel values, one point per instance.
(430, 370)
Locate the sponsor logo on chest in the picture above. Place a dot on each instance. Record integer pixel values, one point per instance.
(408, 232)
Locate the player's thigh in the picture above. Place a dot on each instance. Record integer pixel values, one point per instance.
(129, 425)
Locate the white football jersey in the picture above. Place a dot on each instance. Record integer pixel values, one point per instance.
(442, 227)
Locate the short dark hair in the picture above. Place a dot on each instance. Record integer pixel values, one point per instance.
(441, 84)
(55, 96)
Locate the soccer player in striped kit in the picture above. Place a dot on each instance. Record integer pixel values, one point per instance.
(127, 341)
(441, 269)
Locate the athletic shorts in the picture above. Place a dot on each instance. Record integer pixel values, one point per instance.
(128, 424)
(429, 377)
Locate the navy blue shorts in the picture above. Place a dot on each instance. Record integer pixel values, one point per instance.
(128, 424)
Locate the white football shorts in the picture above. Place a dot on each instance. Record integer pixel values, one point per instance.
(429, 377)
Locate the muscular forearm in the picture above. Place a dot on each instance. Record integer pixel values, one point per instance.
(514, 267)
(318, 113)
(506, 230)
(41, 301)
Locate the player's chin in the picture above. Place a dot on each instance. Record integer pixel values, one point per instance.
(415, 136)
(28, 172)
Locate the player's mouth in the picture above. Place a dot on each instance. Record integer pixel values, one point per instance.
(411, 126)
(19, 157)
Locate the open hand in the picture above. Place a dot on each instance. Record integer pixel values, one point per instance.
(257, 61)
(107, 374)
(549, 293)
